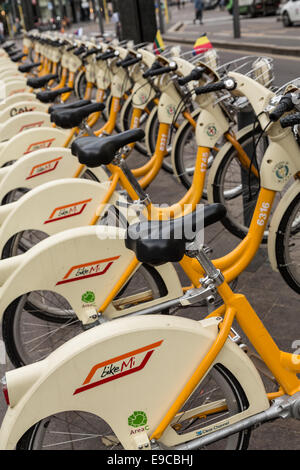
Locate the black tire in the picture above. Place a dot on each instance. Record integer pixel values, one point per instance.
(187, 134)
(80, 85)
(139, 146)
(57, 327)
(286, 19)
(226, 385)
(252, 12)
(289, 267)
(239, 200)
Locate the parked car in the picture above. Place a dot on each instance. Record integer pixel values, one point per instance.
(255, 7)
(290, 12)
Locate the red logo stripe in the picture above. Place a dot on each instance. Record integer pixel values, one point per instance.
(43, 172)
(114, 377)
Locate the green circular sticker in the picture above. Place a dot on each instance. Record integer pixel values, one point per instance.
(88, 297)
(137, 419)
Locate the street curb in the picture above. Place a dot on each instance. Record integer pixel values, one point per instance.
(175, 27)
(245, 46)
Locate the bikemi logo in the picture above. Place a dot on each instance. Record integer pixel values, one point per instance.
(87, 270)
(43, 168)
(31, 125)
(117, 367)
(69, 210)
(39, 145)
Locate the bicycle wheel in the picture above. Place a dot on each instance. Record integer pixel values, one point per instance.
(232, 186)
(221, 387)
(108, 104)
(80, 84)
(37, 323)
(78, 430)
(72, 430)
(126, 121)
(287, 245)
(184, 152)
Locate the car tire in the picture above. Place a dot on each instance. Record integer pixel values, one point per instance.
(286, 19)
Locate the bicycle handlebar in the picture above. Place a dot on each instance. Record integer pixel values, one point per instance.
(90, 52)
(153, 72)
(70, 48)
(127, 62)
(290, 121)
(226, 84)
(106, 55)
(195, 74)
(80, 50)
(285, 104)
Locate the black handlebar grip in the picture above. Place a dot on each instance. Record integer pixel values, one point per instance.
(285, 104)
(90, 52)
(195, 74)
(70, 48)
(155, 65)
(160, 71)
(106, 55)
(290, 121)
(211, 87)
(129, 62)
(79, 51)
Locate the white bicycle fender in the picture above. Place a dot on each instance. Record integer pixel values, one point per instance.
(23, 122)
(11, 88)
(16, 98)
(36, 168)
(73, 262)
(9, 77)
(21, 107)
(141, 349)
(10, 73)
(276, 219)
(53, 207)
(29, 141)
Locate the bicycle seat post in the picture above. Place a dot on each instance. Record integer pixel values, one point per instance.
(85, 128)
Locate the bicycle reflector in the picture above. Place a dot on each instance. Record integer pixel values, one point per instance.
(5, 390)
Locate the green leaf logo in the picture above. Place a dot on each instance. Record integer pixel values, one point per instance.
(137, 419)
(88, 297)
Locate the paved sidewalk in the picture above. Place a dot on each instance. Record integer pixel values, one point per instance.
(262, 34)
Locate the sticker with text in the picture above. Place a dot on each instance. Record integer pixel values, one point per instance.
(117, 367)
(88, 270)
(69, 210)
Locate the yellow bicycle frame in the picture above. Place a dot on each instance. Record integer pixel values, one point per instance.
(284, 366)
